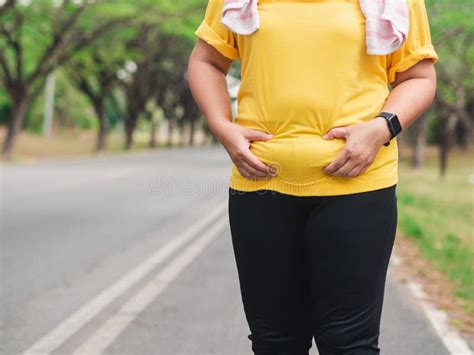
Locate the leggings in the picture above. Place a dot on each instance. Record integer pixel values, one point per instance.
(313, 266)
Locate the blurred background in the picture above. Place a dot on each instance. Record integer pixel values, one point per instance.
(107, 161)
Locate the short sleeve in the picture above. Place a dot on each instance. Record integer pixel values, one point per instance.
(417, 46)
(215, 33)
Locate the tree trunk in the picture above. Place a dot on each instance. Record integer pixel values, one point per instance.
(213, 139)
(447, 131)
(103, 126)
(130, 124)
(443, 156)
(49, 105)
(192, 129)
(208, 136)
(20, 106)
(181, 130)
(170, 134)
(153, 134)
(419, 144)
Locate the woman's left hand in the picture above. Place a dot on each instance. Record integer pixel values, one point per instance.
(363, 141)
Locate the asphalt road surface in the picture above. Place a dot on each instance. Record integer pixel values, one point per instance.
(131, 254)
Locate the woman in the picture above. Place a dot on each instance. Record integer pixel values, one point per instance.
(312, 195)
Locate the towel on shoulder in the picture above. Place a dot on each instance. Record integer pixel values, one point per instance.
(387, 22)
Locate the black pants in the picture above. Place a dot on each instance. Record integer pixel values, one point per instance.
(313, 266)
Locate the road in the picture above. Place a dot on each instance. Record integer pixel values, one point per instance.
(131, 254)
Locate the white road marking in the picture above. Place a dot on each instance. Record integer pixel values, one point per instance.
(52, 340)
(451, 339)
(111, 329)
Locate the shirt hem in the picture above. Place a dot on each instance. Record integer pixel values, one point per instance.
(350, 186)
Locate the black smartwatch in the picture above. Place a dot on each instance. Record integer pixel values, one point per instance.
(393, 124)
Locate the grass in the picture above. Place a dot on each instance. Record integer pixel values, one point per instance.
(71, 143)
(30, 147)
(438, 215)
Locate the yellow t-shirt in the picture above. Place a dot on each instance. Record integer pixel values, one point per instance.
(305, 71)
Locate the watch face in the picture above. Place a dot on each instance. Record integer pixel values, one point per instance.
(395, 123)
(389, 115)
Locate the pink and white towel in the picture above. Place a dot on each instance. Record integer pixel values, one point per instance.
(387, 22)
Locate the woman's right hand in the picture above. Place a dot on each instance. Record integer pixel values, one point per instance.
(236, 140)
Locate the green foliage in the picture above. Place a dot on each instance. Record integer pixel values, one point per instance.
(437, 214)
(4, 106)
(446, 14)
(452, 33)
(410, 225)
(37, 28)
(72, 109)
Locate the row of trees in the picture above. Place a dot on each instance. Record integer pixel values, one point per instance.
(452, 114)
(121, 54)
(130, 57)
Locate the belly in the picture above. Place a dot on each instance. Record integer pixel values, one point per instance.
(298, 160)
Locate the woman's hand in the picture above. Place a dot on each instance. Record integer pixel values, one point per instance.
(236, 140)
(363, 141)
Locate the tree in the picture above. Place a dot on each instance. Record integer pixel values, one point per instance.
(36, 38)
(6, 6)
(94, 73)
(141, 83)
(453, 37)
(132, 55)
(151, 76)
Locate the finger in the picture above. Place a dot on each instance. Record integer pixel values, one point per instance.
(256, 135)
(259, 174)
(337, 132)
(363, 169)
(363, 164)
(337, 163)
(346, 168)
(249, 170)
(244, 156)
(355, 171)
(249, 173)
(250, 159)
